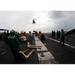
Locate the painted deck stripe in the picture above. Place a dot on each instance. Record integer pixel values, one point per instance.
(64, 43)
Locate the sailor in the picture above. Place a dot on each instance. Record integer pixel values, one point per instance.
(62, 37)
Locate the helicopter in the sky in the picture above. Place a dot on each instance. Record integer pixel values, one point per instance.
(33, 21)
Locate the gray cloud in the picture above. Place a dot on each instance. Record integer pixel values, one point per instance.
(15, 19)
(63, 19)
(22, 20)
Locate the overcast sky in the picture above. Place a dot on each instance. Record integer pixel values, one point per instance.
(46, 21)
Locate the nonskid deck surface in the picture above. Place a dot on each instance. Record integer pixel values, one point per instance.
(40, 53)
(63, 54)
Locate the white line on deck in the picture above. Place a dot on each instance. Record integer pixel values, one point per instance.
(59, 41)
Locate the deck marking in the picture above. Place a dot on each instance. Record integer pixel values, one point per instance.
(59, 41)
